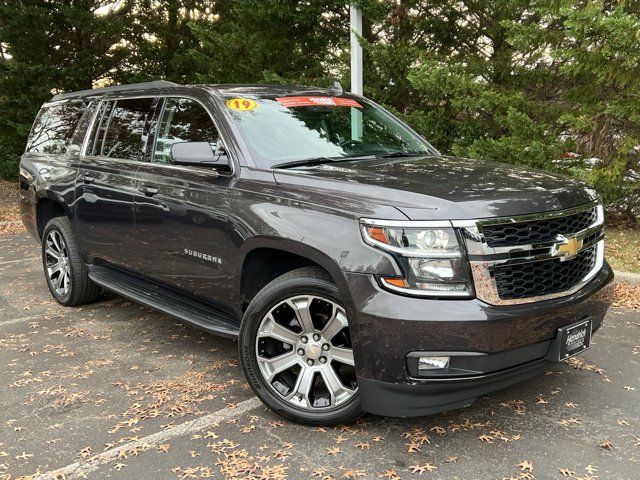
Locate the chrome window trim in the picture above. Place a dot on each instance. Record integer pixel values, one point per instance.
(107, 98)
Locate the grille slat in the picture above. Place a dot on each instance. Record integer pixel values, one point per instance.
(544, 277)
(537, 231)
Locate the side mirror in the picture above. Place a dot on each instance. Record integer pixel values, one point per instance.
(198, 154)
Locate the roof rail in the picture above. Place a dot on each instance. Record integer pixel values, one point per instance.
(115, 88)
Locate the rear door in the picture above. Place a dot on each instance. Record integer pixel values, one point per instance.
(106, 181)
(182, 211)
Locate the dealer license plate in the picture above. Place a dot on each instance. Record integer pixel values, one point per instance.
(574, 339)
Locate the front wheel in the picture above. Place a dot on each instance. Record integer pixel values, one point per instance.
(296, 349)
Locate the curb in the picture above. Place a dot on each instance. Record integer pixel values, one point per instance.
(627, 277)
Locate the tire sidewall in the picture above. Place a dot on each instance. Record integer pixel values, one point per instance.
(264, 301)
(58, 224)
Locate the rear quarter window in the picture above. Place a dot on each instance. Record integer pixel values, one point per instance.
(53, 128)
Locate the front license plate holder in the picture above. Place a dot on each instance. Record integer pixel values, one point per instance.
(571, 340)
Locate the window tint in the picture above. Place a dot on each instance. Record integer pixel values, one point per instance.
(183, 120)
(83, 125)
(126, 129)
(100, 127)
(54, 127)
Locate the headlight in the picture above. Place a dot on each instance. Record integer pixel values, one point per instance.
(429, 254)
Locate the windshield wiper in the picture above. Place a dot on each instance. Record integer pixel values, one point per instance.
(308, 162)
(402, 154)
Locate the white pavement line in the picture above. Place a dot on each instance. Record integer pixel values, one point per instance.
(21, 319)
(80, 469)
(28, 259)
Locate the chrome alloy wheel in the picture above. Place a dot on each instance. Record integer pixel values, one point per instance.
(58, 263)
(304, 353)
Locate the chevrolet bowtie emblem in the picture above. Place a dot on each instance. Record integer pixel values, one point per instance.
(566, 247)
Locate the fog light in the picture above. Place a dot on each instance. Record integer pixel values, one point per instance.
(432, 363)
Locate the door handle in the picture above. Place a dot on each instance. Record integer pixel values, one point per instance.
(148, 191)
(87, 179)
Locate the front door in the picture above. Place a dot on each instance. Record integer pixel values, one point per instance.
(106, 182)
(182, 211)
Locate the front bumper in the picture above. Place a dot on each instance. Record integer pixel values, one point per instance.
(514, 341)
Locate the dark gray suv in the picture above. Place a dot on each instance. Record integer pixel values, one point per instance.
(359, 268)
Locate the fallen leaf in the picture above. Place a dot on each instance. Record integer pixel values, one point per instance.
(526, 466)
(420, 469)
(390, 475)
(607, 445)
(354, 474)
(566, 472)
(333, 451)
(84, 453)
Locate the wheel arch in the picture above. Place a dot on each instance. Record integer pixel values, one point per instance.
(48, 207)
(267, 259)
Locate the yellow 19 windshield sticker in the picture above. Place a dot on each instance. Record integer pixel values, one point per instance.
(242, 104)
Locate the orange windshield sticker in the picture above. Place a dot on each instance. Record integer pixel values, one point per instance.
(317, 102)
(242, 104)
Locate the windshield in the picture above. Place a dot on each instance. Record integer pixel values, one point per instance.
(279, 130)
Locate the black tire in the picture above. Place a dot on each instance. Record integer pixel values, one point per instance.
(303, 281)
(80, 289)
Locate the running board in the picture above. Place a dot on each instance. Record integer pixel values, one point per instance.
(166, 300)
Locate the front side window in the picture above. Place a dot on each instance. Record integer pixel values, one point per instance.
(122, 132)
(53, 129)
(292, 128)
(183, 120)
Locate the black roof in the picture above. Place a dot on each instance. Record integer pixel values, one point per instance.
(224, 89)
(114, 88)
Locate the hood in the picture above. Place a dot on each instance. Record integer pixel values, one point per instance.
(438, 187)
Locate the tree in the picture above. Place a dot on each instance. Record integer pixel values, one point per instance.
(290, 41)
(548, 84)
(49, 46)
(551, 84)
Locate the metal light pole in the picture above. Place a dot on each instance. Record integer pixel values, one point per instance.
(355, 22)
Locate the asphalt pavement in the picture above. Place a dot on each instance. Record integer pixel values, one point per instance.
(117, 390)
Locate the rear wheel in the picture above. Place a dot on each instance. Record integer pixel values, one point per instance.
(64, 268)
(296, 349)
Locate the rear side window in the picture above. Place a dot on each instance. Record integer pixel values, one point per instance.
(53, 129)
(123, 128)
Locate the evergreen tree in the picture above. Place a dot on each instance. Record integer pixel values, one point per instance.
(49, 46)
(551, 84)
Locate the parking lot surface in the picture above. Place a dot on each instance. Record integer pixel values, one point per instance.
(117, 390)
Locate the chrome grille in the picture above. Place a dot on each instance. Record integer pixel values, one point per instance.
(546, 277)
(534, 257)
(536, 231)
